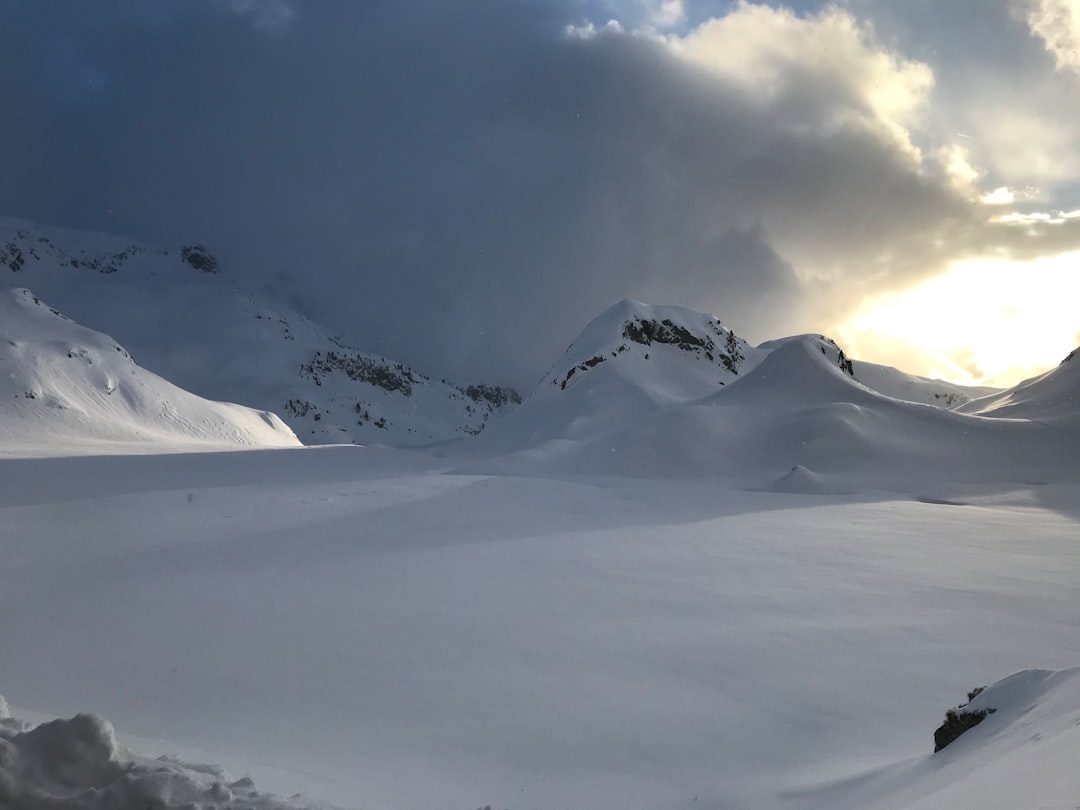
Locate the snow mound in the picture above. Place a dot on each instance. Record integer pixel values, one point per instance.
(66, 389)
(1053, 396)
(241, 347)
(799, 479)
(76, 764)
(631, 360)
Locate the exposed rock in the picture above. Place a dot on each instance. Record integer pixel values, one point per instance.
(495, 395)
(199, 257)
(361, 368)
(958, 721)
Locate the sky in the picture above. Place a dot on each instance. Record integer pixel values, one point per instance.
(463, 184)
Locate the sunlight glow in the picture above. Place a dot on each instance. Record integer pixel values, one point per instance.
(985, 321)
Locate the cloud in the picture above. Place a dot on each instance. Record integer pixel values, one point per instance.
(1057, 24)
(1002, 195)
(268, 15)
(822, 72)
(463, 186)
(665, 13)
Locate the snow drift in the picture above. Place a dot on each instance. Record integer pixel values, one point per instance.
(76, 764)
(66, 389)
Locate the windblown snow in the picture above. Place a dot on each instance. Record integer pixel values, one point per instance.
(685, 572)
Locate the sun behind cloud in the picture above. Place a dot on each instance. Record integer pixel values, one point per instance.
(985, 321)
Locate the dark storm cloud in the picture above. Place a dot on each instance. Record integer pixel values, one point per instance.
(460, 185)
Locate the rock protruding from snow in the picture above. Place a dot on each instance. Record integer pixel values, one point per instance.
(66, 389)
(76, 764)
(960, 720)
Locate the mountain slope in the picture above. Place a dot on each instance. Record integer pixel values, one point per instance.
(911, 388)
(65, 389)
(183, 319)
(1053, 396)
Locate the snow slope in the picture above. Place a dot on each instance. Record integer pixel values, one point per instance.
(911, 388)
(181, 317)
(1050, 397)
(361, 627)
(65, 389)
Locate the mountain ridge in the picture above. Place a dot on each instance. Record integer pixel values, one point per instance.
(177, 311)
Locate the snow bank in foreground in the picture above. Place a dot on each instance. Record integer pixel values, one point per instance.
(76, 765)
(1023, 754)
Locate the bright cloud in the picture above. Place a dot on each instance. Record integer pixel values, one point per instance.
(1003, 195)
(665, 13)
(775, 56)
(1057, 24)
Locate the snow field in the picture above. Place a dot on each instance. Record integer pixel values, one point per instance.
(384, 635)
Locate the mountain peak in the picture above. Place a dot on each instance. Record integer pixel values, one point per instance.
(636, 336)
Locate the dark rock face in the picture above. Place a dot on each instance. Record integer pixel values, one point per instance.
(592, 362)
(646, 332)
(958, 721)
(199, 258)
(360, 368)
(495, 395)
(11, 255)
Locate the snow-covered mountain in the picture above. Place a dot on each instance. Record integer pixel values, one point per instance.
(1050, 397)
(629, 361)
(719, 556)
(183, 319)
(794, 414)
(66, 389)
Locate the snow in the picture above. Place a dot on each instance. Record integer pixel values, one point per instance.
(368, 629)
(665, 581)
(608, 380)
(202, 333)
(1051, 397)
(794, 420)
(65, 389)
(76, 764)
